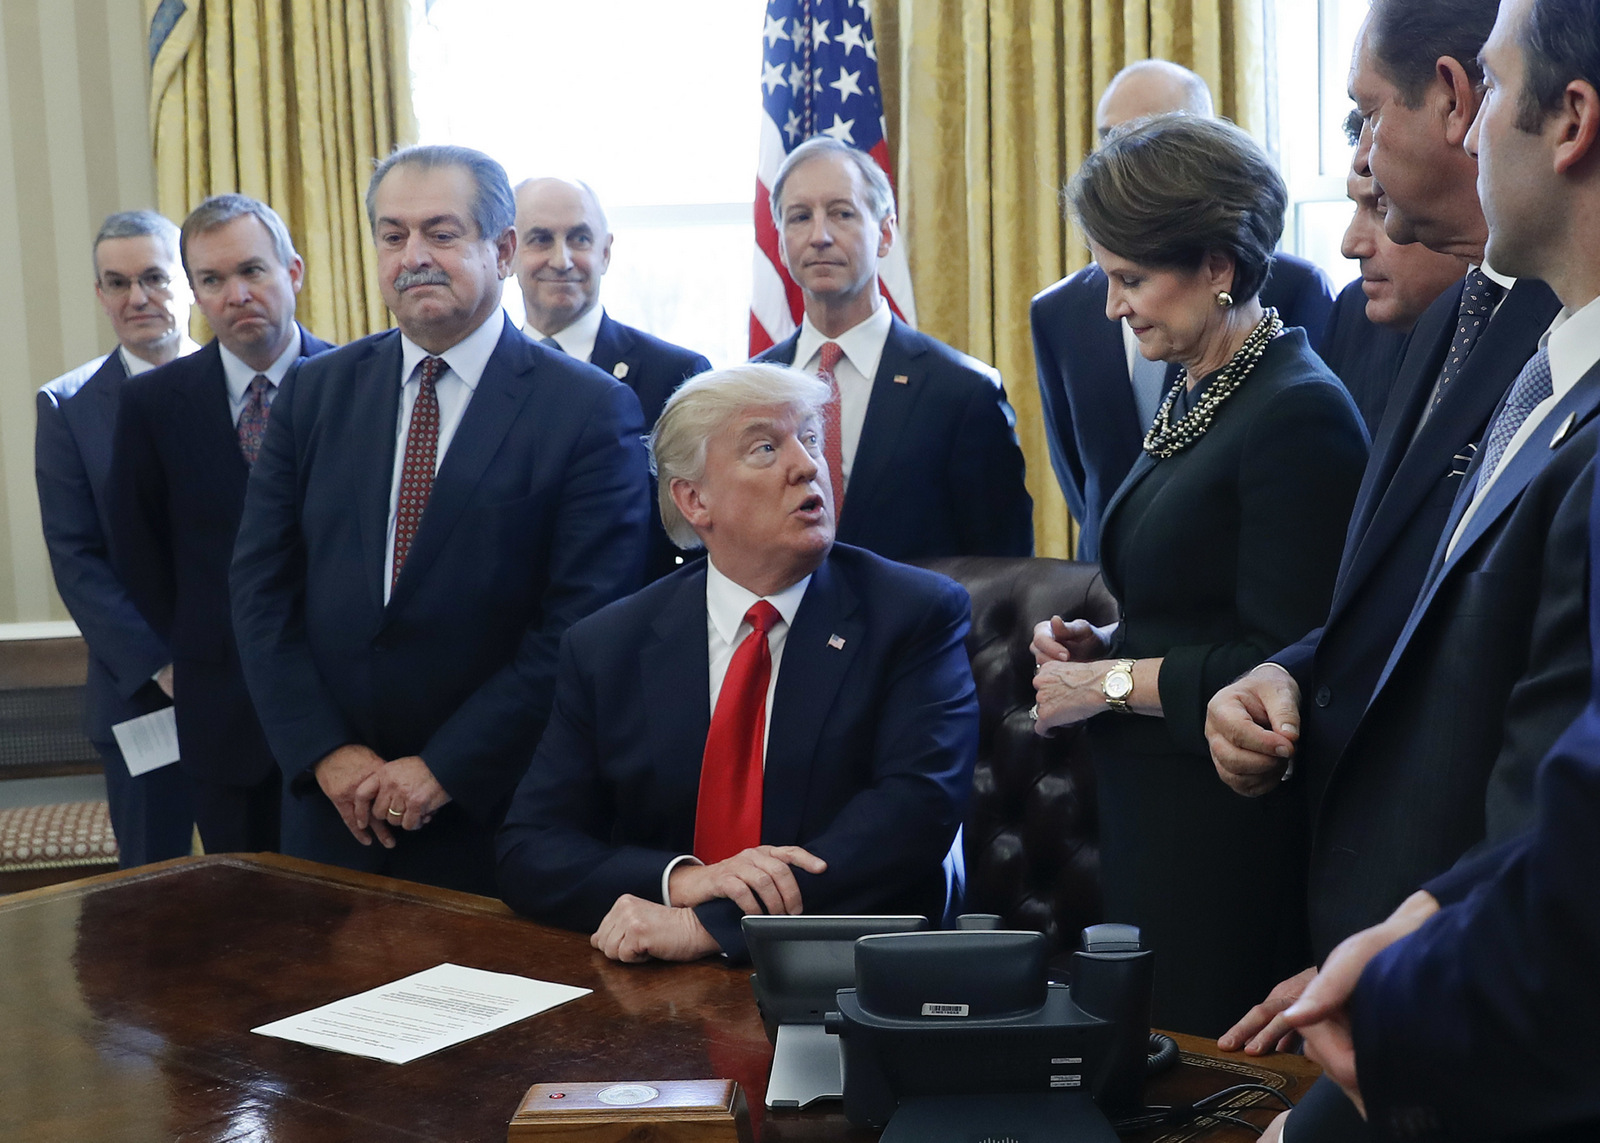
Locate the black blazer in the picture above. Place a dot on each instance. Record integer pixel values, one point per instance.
(872, 740)
(1091, 422)
(1491, 666)
(178, 484)
(937, 471)
(1406, 495)
(653, 369)
(536, 518)
(1362, 354)
(1220, 552)
(72, 465)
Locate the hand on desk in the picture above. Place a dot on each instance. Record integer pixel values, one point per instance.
(1322, 1015)
(363, 788)
(1263, 1029)
(758, 880)
(1252, 726)
(636, 930)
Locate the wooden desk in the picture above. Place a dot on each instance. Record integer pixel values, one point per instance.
(128, 999)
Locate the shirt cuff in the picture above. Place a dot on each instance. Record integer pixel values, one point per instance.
(666, 875)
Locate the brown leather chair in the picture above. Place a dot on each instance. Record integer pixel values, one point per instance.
(1032, 835)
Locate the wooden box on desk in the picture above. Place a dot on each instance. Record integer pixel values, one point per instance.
(680, 1111)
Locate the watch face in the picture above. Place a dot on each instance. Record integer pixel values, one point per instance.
(1119, 684)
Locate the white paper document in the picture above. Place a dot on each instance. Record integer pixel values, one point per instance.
(422, 1013)
(149, 741)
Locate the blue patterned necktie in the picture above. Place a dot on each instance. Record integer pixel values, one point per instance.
(1478, 299)
(551, 343)
(1532, 386)
(253, 418)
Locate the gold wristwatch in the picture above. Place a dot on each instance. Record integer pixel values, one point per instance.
(1117, 686)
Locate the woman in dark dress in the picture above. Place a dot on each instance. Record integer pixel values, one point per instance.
(1221, 547)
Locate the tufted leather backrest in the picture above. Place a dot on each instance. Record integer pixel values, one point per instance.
(1032, 835)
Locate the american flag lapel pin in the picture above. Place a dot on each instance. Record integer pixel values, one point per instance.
(901, 379)
(836, 642)
(1565, 430)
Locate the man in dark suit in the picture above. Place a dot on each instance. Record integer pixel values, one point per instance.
(788, 726)
(1367, 331)
(1505, 972)
(563, 250)
(1408, 771)
(139, 281)
(433, 507)
(185, 440)
(925, 461)
(1097, 394)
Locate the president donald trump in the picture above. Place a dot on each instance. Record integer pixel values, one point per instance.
(787, 727)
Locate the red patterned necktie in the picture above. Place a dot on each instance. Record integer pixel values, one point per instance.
(416, 477)
(832, 433)
(727, 816)
(253, 418)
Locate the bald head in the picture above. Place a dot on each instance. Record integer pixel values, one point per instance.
(1151, 87)
(563, 250)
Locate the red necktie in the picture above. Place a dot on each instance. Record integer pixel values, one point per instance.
(727, 817)
(832, 432)
(416, 476)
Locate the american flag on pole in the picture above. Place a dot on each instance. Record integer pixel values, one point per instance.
(819, 76)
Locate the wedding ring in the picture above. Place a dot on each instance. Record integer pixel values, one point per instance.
(394, 813)
(1033, 713)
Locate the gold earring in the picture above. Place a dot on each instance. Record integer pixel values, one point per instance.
(1224, 299)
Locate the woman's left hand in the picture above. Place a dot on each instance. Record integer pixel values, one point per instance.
(1069, 693)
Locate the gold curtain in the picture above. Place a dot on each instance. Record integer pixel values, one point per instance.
(290, 102)
(990, 106)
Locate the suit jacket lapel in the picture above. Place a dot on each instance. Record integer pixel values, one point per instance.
(1143, 466)
(613, 346)
(1509, 341)
(889, 409)
(1581, 402)
(375, 385)
(675, 680)
(808, 684)
(205, 389)
(783, 352)
(500, 395)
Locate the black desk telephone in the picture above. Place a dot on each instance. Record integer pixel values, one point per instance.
(960, 1036)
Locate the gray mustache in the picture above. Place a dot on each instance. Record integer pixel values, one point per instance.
(405, 279)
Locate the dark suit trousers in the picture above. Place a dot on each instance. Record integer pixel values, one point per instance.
(452, 851)
(237, 819)
(149, 812)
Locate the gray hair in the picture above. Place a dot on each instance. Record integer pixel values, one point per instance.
(221, 209)
(136, 224)
(1167, 190)
(701, 408)
(494, 209)
(1407, 38)
(880, 195)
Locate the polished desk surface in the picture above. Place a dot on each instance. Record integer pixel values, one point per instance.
(128, 1001)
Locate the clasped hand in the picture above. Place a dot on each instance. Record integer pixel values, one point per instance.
(760, 879)
(364, 787)
(1252, 727)
(1068, 680)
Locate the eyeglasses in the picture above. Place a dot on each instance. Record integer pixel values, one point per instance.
(151, 282)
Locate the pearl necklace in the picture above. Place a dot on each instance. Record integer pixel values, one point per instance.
(1166, 439)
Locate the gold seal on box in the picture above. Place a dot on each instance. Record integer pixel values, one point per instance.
(663, 1111)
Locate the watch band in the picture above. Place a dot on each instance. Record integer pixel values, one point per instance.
(1123, 670)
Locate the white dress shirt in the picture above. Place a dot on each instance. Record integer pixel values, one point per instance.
(465, 361)
(578, 339)
(135, 365)
(1573, 340)
(239, 375)
(726, 605)
(863, 349)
